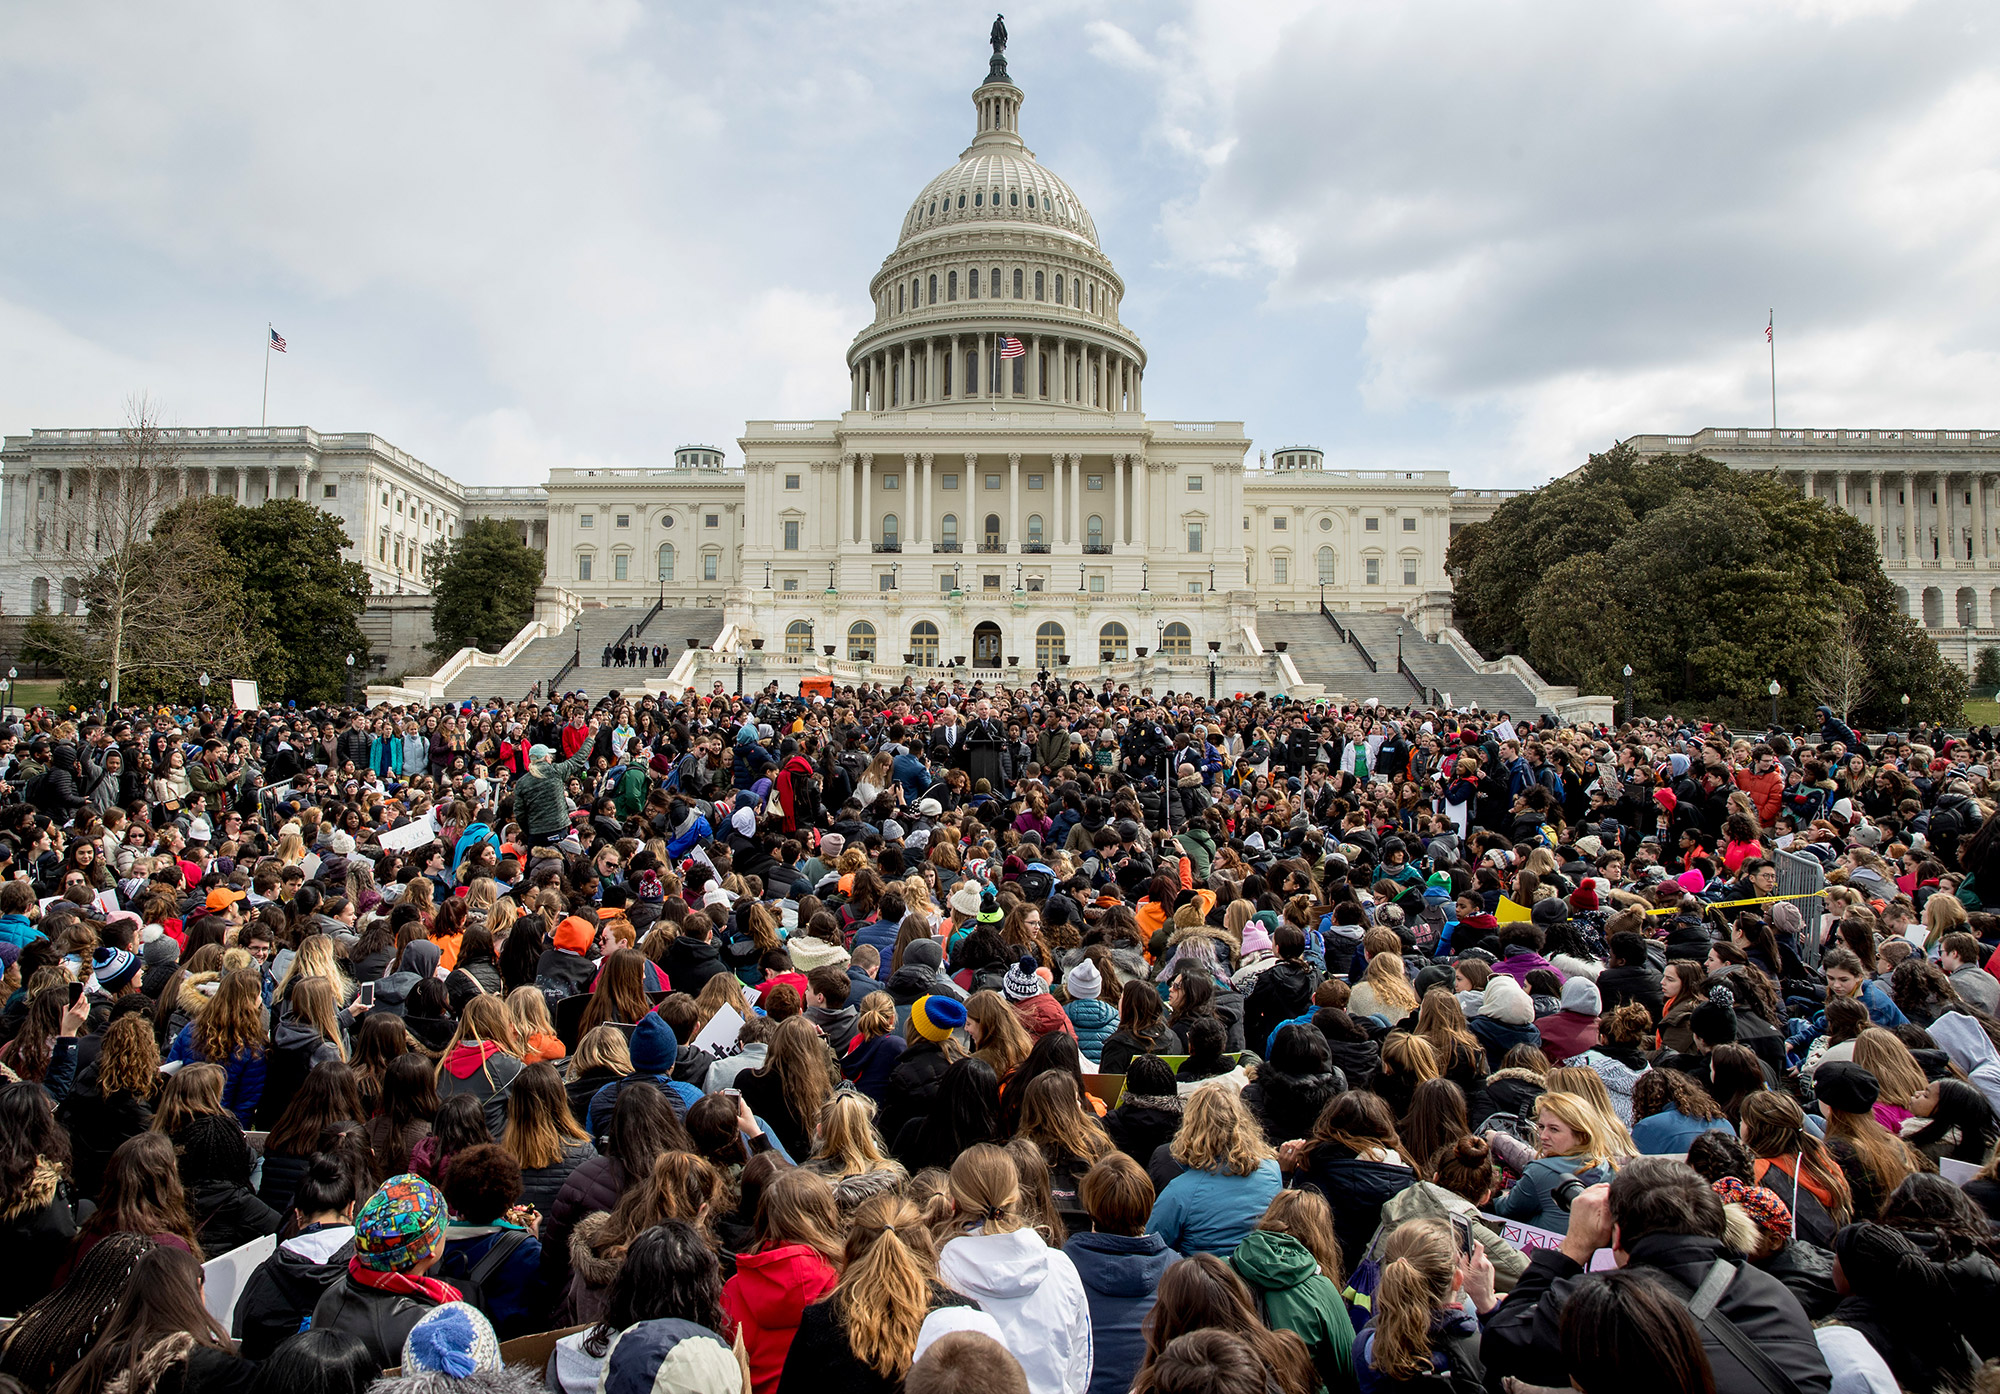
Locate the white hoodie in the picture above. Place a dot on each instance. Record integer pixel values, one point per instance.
(1034, 1292)
(1964, 1040)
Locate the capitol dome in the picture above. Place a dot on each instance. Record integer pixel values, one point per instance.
(998, 288)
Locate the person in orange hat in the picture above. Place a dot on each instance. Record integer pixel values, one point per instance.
(227, 902)
(567, 963)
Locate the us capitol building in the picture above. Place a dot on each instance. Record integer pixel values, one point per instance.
(993, 491)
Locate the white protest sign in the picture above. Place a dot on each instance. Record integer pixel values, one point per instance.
(106, 902)
(225, 1276)
(722, 1030)
(310, 865)
(1957, 1172)
(1505, 731)
(1528, 1238)
(410, 836)
(243, 697)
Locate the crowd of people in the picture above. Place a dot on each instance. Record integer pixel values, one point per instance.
(992, 1040)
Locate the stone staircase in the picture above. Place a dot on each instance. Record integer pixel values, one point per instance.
(1321, 656)
(542, 659)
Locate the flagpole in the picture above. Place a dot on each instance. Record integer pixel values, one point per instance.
(1771, 338)
(264, 411)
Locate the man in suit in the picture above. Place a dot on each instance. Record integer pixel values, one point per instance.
(984, 741)
(948, 740)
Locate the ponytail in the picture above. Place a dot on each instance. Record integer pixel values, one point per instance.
(1419, 1266)
(884, 1291)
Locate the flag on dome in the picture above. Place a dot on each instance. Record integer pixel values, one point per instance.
(1011, 347)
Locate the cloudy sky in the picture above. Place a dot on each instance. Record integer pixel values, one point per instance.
(1473, 234)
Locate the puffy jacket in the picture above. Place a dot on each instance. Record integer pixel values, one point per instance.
(1093, 1023)
(512, 1295)
(692, 962)
(1295, 1296)
(592, 1188)
(1523, 1337)
(1287, 1105)
(655, 1050)
(1532, 1198)
(1498, 1037)
(1035, 1295)
(541, 1185)
(1669, 1132)
(380, 1320)
(282, 1293)
(1121, 1047)
(913, 1085)
(1209, 1212)
(1356, 1190)
(36, 1227)
(228, 1213)
(97, 1123)
(487, 1073)
(768, 1294)
(1283, 991)
(15, 930)
(1121, 1279)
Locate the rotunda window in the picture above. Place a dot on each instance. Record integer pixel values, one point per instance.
(1031, 200)
(1014, 199)
(977, 199)
(933, 212)
(961, 200)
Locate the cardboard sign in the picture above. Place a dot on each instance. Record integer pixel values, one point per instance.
(722, 1030)
(309, 864)
(1528, 1238)
(243, 695)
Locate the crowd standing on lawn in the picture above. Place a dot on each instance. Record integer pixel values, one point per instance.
(969, 1039)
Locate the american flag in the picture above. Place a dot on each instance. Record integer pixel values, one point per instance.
(277, 341)
(1011, 347)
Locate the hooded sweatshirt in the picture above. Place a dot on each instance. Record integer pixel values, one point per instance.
(484, 1070)
(1295, 1296)
(765, 1298)
(1961, 1038)
(1121, 1279)
(655, 1049)
(1036, 1296)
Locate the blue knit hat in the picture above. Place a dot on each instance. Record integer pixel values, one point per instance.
(936, 1016)
(453, 1339)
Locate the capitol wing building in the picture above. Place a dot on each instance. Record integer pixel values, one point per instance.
(993, 495)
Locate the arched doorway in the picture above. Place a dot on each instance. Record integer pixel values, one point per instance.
(1048, 644)
(799, 638)
(924, 643)
(986, 645)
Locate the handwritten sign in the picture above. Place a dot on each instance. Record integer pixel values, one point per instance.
(1528, 1238)
(722, 1030)
(410, 836)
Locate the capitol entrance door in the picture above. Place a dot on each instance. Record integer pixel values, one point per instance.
(986, 645)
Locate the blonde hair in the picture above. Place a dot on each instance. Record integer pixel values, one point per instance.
(1000, 1031)
(1943, 914)
(877, 1018)
(315, 959)
(1419, 1270)
(1306, 1216)
(885, 1286)
(1883, 1054)
(1581, 1117)
(191, 1092)
(1392, 988)
(602, 1048)
(530, 1012)
(1219, 1133)
(485, 1019)
(848, 1145)
(1586, 1084)
(315, 1002)
(986, 1188)
(1410, 1055)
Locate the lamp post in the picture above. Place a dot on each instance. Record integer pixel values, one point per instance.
(1214, 664)
(1079, 578)
(1017, 578)
(895, 574)
(739, 669)
(1399, 648)
(1211, 576)
(767, 575)
(104, 691)
(829, 575)
(350, 680)
(1773, 690)
(579, 641)
(1144, 568)
(1628, 692)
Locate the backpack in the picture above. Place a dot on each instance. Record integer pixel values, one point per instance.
(471, 1279)
(805, 800)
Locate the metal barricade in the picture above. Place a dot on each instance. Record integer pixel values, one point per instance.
(1800, 874)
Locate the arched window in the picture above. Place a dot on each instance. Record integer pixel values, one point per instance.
(1013, 198)
(861, 640)
(992, 530)
(1059, 288)
(972, 284)
(1326, 566)
(1076, 292)
(951, 528)
(799, 637)
(996, 281)
(979, 200)
(924, 643)
(1017, 283)
(666, 561)
(1034, 527)
(971, 369)
(1111, 643)
(1039, 286)
(951, 285)
(933, 290)
(888, 530)
(899, 300)
(916, 294)
(1048, 644)
(39, 594)
(1093, 531)
(1176, 639)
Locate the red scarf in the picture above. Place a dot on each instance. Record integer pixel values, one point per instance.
(429, 1289)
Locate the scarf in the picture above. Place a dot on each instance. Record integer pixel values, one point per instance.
(425, 1289)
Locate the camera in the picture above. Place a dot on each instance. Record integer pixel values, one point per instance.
(1565, 1192)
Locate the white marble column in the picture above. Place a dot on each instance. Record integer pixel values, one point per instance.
(1980, 551)
(913, 525)
(1014, 503)
(864, 513)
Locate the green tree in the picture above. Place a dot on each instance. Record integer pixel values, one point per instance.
(1711, 583)
(300, 597)
(482, 587)
(1986, 672)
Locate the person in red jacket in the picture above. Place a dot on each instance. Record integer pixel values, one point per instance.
(1764, 783)
(575, 734)
(790, 1268)
(1028, 995)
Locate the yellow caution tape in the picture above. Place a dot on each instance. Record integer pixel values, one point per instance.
(1732, 904)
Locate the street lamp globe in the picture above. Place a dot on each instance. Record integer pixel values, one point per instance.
(1773, 689)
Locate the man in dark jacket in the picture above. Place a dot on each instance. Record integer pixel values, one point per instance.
(1658, 1215)
(692, 959)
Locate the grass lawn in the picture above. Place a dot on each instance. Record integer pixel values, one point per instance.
(1982, 713)
(29, 692)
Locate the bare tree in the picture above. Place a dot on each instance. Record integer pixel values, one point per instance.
(157, 594)
(1840, 675)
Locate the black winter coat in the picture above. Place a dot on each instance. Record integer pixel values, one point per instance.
(913, 1086)
(1141, 1125)
(381, 1320)
(1122, 1046)
(282, 1293)
(1286, 1106)
(227, 1213)
(1524, 1337)
(97, 1124)
(1283, 991)
(36, 1228)
(1617, 986)
(594, 1186)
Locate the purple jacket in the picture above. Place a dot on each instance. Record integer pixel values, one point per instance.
(1518, 962)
